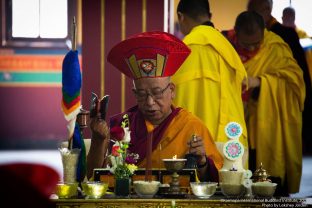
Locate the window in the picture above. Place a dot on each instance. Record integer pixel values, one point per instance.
(37, 23)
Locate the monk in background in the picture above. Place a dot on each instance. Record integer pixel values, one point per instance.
(289, 35)
(289, 18)
(276, 99)
(209, 82)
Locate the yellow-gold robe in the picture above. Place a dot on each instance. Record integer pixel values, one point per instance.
(209, 83)
(176, 136)
(275, 119)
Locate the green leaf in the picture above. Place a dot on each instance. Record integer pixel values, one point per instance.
(125, 146)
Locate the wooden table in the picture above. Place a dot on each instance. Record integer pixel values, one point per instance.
(159, 203)
(214, 201)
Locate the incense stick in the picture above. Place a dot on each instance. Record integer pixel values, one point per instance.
(148, 167)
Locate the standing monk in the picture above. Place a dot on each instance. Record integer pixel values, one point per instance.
(209, 83)
(290, 36)
(275, 105)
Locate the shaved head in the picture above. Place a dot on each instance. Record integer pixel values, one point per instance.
(249, 28)
(289, 16)
(262, 7)
(249, 22)
(194, 8)
(253, 4)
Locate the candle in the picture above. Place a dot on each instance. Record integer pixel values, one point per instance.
(174, 159)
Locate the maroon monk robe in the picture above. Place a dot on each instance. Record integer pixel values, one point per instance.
(139, 132)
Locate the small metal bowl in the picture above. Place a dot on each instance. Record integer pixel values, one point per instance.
(146, 189)
(203, 190)
(94, 189)
(66, 190)
(232, 190)
(174, 164)
(263, 189)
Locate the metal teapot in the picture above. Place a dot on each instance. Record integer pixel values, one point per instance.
(260, 175)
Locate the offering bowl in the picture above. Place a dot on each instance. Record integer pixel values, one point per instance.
(66, 190)
(263, 189)
(146, 189)
(94, 189)
(174, 165)
(203, 189)
(232, 190)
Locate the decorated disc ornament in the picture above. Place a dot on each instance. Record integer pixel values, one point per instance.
(233, 150)
(233, 130)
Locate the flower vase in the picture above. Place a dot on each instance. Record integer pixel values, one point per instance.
(122, 186)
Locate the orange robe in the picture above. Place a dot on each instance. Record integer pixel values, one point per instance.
(174, 141)
(176, 130)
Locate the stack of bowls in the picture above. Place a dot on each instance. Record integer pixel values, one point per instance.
(231, 183)
(231, 177)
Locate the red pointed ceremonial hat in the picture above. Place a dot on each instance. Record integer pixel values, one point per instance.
(149, 54)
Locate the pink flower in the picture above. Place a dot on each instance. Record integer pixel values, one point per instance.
(117, 133)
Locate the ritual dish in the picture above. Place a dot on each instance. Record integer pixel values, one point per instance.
(174, 165)
(66, 190)
(94, 189)
(203, 189)
(146, 189)
(263, 189)
(232, 190)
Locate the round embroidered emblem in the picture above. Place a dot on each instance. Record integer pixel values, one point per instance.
(233, 130)
(233, 150)
(147, 66)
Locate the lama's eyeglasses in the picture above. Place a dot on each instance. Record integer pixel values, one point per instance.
(156, 94)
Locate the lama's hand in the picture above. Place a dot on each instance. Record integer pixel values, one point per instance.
(99, 128)
(197, 148)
